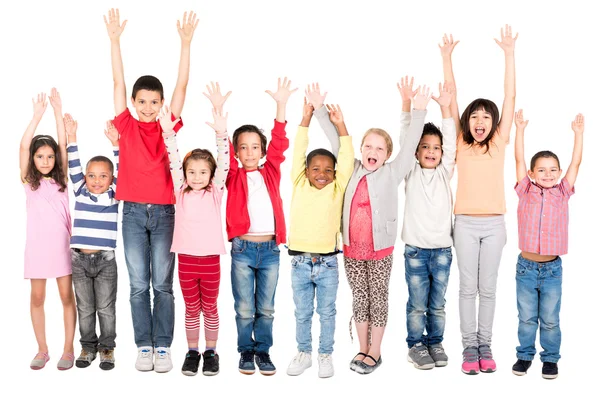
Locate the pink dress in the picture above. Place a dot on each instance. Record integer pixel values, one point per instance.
(47, 253)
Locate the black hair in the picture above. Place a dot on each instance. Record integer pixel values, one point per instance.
(430, 129)
(253, 129)
(543, 154)
(104, 160)
(34, 175)
(487, 106)
(148, 82)
(320, 152)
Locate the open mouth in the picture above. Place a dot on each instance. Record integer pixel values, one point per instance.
(371, 161)
(479, 131)
(431, 159)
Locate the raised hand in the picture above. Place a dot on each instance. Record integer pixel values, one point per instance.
(314, 96)
(520, 122)
(70, 128)
(39, 105)
(507, 42)
(445, 97)
(112, 133)
(578, 124)
(187, 27)
(55, 100)
(405, 87)
(113, 25)
(421, 98)
(214, 95)
(165, 121)
(220, 124)
(283, 91)
(307, 110)
(447, 46)
(335, 114)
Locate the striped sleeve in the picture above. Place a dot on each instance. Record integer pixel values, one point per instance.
(222, 161)
(174, 162)
(75, 170)
(116, 161)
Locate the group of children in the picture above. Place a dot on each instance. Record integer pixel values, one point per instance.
(357, 198)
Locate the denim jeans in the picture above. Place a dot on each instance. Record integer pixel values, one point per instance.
(310, 275)
(427, 272)
(539, 291)
(147, 237)
(254, 274)
(95, 283)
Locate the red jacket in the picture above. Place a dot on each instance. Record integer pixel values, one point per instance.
(237, 217)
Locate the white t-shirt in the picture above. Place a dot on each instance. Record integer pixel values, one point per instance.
(260, 209)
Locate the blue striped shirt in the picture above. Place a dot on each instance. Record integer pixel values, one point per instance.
(96, 215)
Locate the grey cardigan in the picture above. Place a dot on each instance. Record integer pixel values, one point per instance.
(383, 184)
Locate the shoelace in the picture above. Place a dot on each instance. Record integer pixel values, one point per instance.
(325, 358)
(247, 357)
(146, 354)
(264, 358)
(161, 354)
(300, 357)
(438, 350)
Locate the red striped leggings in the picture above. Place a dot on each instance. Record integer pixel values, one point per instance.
(199, 279)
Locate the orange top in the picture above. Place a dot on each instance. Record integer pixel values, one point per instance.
(480, 187)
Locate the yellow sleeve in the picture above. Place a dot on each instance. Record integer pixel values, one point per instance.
(299, 158)
(345, 165)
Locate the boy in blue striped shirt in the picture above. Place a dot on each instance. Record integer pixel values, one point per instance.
(93, 240)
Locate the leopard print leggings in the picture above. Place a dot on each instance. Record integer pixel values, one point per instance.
(369, 281)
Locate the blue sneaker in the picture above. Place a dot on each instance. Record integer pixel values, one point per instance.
(246, 365)
(265, 365)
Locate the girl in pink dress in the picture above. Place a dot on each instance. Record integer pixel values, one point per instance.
(43, 164)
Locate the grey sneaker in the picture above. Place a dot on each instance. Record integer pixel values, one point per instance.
(107, 359)
(419, 356)
(85, 358)
(436, 351)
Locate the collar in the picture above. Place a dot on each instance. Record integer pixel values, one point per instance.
(554, 190)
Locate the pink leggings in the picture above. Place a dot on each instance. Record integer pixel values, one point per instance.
(199, 279)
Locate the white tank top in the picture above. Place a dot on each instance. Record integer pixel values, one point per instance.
(260, 209)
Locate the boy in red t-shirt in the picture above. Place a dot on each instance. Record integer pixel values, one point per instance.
(146, 188)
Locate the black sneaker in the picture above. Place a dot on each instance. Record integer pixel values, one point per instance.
(246, 365)
(107, 359)
(210, 366)
(549, 370)
(190, 365)
(265, 365)
(521, 366)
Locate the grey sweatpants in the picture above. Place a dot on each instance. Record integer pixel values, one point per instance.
(478, 242)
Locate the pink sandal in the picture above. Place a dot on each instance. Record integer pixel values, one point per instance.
(66, 361)
(39, 363)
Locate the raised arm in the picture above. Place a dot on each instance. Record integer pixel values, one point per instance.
(281, 97)
(220, 127)
(114, 29)
(345, 165)
(316, 99)
(446, 48)
(168, 126)
(112, 134)
(445, 100)
(186, 33)
(75, 170)
(56, 104)
(578, 126)
(507, 43)
(301, 143)
(405, 87)
(39, 107)
(214, 95)
(520, 162)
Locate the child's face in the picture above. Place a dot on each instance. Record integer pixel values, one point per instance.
(197, 174)
(546, 172)
(429, 152)
(44, 160)
(98, 177)
(480, 124)
(147, 104)
(321, 171)
(374, 152)
(249, 150)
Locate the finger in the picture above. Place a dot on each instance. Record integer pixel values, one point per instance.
(328, 107)
(269, 92)
(412, 80)
(516, 36)
(227, 95)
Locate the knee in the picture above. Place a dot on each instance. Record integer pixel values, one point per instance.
(244, 309)
(37, 299)
(67, 298)
(139, 287)
(265, 311)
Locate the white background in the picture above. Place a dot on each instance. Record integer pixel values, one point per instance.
(357, 51)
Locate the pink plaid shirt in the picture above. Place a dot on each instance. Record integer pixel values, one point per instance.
(543, 216)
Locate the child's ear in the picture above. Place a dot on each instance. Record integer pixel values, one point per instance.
(530, 173)
(162, 103)
(306, 172)
(133, 102)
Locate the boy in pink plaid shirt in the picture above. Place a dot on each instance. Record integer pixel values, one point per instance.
(543, 219)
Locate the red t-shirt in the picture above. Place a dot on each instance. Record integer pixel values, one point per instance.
(144, 175)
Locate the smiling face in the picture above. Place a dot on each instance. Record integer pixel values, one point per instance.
(429, 152)
(98, 177)
(249, 150)
(546, 172)
(44, 160)
(321, 171)
(480, 124)
(197, 174)
(374, 151)
(147, 104)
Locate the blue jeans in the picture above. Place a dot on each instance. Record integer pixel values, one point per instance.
(539, 291)
(254, 274)
(147, 237)
(427, 272)
(310, 274)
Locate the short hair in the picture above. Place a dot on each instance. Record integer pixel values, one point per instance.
(253, 129)
(148, 82)
(34, 176)
(320, 152)
(430, 129)
(386, 136)
(543, 154)
(479, 104)
(200, 154)
(104, 160)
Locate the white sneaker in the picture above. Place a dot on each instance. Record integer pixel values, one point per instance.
(144, 359)
(301, 362)
(325, 366)
(162, 359)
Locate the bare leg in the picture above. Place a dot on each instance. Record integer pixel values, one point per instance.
(375, 349)
(65, 289)
(362, 330)
(38, 317)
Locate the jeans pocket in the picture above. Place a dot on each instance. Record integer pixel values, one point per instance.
(521, 270)
(411, 251)
(330, 262)
(237, 246)
(556, 272)
(169, 209)
(275, 249)
(127, 208)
